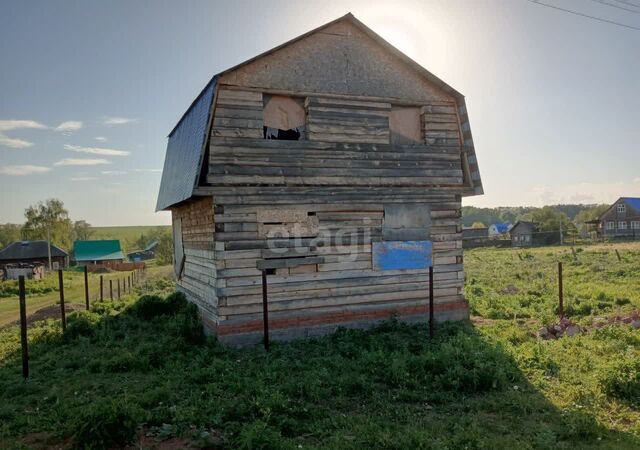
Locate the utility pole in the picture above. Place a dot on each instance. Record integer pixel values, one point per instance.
(49, 245)
(561, 237)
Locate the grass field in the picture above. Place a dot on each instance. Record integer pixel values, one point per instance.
(124, 233)
(41, 294)
(142, 372)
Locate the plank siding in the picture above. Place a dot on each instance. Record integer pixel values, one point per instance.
(198, 280)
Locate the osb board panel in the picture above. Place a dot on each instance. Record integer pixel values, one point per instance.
(405, 125)
(339, 59)
(284, 113)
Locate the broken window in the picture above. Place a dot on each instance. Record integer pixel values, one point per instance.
(406, 222)
(405, 125)
(284, 118)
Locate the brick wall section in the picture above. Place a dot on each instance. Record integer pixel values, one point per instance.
(198, 278)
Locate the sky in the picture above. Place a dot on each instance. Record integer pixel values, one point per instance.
(90, 89)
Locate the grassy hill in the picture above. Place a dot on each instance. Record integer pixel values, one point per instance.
(125, 234)
(141, 372)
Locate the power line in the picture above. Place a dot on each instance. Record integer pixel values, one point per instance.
(600, 19)
(603, 2)
(630, 3)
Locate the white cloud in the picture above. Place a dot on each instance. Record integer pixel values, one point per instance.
(23, 170)
(96, 150)
(81, 162)
(9, 125)
(586, 192)
(14, 143)
(84, 178)
(101, 138)
(148, 170)
(69, 126)
(113, 172)
(117, 120)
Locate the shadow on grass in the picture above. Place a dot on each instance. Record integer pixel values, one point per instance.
(389, 388)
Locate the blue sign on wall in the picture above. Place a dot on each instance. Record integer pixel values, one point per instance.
(395, 255)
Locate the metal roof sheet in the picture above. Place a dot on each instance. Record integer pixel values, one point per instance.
(185, 149)
(29, 249)
(97, 250)
(634, 202)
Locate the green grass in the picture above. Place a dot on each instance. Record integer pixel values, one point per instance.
(43, 293)
(131, 368)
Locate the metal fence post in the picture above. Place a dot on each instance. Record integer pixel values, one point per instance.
(111, 290)
(63, 313)
(431, 312)
(86, 287)
(560, 293)
(265, 310)
(23, 328)
(101, 289)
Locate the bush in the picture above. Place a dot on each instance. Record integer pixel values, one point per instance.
(622, 381)
(81, 324)
(150, 306)
(106, 424)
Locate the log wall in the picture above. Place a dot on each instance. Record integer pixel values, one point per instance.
(328, 192)
(198, 277)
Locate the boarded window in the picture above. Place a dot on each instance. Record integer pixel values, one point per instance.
(406, 222)
(178, 249)
(286, 223)
(405, 125)
(284, 117)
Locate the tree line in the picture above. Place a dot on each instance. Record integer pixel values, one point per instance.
(49, 220)
(549, 218)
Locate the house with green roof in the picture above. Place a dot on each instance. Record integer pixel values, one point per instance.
(97, 252)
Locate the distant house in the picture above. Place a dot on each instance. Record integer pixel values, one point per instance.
(97, 252)
(622, 219)
(497, 229)
(475, 233)
(522, 234)
(33, 253)
(149, 252)
(528, 234)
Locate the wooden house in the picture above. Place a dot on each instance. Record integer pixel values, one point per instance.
(336, 162)
(530, 234)
(622, 219)
(33, 253)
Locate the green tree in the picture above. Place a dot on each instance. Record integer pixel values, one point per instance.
(9, 233)
(549, 219)
(164, 251)
(48, 220)
(81, 230)
(589, 214)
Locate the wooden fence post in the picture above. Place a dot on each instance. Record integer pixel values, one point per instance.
(86, 287)
(560, 293)
(618, 255)
(118, 288)
(265, 310)
(101, 289)
(129, 283)
(111, 289)
(63, 313)
(431, 312)
(23, 327)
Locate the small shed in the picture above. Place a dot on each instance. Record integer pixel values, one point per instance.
(97, 252)
(33, 253)
(149, 252)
